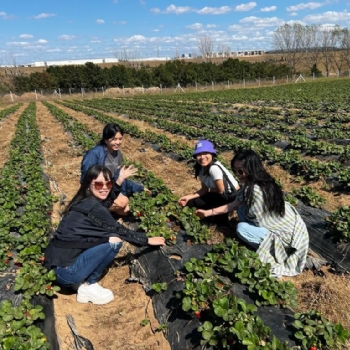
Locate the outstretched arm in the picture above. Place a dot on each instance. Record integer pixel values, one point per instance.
(227, 208)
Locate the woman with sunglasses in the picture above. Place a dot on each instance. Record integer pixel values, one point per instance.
(108, 153)
(267, 222)
(218, 186)
(88, 239)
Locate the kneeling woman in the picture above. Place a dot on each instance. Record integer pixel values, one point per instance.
(267, 222)
(218, 186)
(88, 239)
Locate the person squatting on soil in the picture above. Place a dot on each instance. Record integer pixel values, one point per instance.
(218, 185)
(267, 222)
(108, 153)
(88, 239)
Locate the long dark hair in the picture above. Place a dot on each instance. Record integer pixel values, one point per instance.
(84, 192)
(109, 131)
(197, 167)
(257, 175)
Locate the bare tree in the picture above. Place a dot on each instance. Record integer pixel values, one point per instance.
(205, 47)
(327, 48)
(223, 50)
(336, 58)
(289, 38)
(344, 52)
(312, 45)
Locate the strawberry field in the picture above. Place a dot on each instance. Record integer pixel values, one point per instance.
(301, 131)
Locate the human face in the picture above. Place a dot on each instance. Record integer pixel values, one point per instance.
(240, 172)
(99, 192)
(113, 144)
(204, 158)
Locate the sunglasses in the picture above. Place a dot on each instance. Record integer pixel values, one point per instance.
(99, 184)
(238, 171)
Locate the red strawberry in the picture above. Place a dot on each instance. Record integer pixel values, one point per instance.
(198, 314)
(7, 261)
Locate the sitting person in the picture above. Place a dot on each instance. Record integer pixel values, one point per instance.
(218, 186)
(267, 222)
(108, 153)
(88, 239)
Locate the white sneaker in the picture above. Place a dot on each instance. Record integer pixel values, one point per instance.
(94, 293)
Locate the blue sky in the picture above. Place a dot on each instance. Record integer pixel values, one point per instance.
(43, 30)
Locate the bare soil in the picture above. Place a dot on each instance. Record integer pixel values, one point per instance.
(117, 325)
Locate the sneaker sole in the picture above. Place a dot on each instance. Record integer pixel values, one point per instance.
(100, 301)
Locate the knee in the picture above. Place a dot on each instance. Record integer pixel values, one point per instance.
(116, 246)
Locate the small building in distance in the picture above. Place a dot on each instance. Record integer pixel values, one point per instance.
(74, 62)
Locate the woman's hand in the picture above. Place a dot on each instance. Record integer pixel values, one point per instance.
(147, 191)
(114, 240)
(156, 241)
(184, 200)
(202, 213)
(126, 172)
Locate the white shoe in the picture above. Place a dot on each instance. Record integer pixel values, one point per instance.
(94, 293)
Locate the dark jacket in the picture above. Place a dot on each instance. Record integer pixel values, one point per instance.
(97, 156)
(86, 225)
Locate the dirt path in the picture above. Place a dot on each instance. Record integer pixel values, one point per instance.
(112, 326)
(7, 131)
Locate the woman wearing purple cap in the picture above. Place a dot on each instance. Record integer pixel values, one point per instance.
(218, 186)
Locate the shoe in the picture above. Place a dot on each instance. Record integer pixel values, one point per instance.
(94, 293)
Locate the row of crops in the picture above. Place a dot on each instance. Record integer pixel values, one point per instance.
(226, 321)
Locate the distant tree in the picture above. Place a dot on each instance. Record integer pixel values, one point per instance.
(205, 47)
(312, 45)
(345, 46)
(290, 39)
(328, 45)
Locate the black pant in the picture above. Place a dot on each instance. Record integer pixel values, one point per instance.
(210, 201)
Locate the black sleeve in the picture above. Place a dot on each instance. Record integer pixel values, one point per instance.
(103, 218)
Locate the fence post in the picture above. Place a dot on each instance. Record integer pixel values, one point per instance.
(123, 90)
(273, 80)
(196, 82)
(244, 83)
(59, 92)
(82, 93)
(36, 96)
(287, 79)
(103, 92)
(12, 96)
(160, 86)
(212, 85)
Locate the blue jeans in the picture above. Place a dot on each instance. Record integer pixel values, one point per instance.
(89, 265)
(248, 232)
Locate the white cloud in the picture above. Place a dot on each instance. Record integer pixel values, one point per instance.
(268, 9)
(238, 37)
(100, 21)
(304, 6)
(211, 25)
(42, 41)
(214, 10)
(95, 41)
(325, 17)
(53, 50)
(44, 15)
(26, 36)
(294, 14)
(155, 10)
(245, 7)
(178, 10)
(17, 43)
(156, 30)
(136, 38)
(262, 22)
(66, 37)
(2, 14)
(195, 26)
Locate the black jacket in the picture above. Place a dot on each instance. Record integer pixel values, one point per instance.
(86, 225)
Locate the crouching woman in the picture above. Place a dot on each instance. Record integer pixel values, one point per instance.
(88, 239)
(266, 221)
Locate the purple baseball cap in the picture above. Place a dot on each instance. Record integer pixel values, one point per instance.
(203, 146)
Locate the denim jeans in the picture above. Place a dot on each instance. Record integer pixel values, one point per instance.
(89, 265)
(248, 232)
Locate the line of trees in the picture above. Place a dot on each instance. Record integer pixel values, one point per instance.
(313, 45)
(171, 73)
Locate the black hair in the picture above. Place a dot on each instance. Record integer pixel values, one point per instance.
(257, 175)
(197, 167)
(109, 131)
(84, 192)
